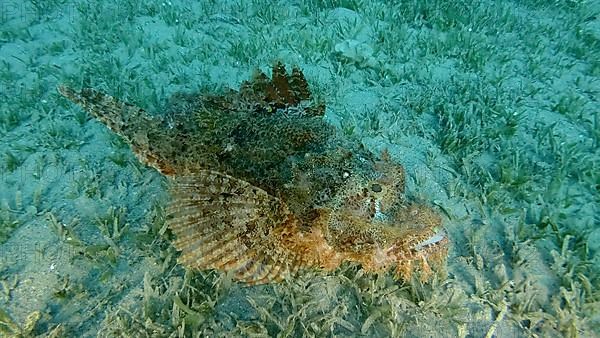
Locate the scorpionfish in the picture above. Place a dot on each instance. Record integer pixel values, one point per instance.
(261, 187)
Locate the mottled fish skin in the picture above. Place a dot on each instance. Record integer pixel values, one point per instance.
(128, 121)
(261, 187)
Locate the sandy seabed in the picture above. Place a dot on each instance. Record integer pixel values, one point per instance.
(491, 106)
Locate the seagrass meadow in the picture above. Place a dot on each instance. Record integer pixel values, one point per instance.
(490, 107)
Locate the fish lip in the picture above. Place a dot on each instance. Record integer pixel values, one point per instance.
(432, 240)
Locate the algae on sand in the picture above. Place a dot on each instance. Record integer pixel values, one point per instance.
(489, 105)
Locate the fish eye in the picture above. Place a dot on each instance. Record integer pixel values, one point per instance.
(376, 187)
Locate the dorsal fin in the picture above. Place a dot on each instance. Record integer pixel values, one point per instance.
(281, 91)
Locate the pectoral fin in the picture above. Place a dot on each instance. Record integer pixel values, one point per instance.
(227, 224)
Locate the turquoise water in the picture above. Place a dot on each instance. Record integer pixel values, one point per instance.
(491, 107)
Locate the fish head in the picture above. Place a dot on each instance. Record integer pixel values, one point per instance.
(374, 224)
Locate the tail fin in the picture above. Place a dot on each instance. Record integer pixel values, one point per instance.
(230, 225)
(117, 115)
(130, 122)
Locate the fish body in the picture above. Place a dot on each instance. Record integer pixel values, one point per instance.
(261, 187)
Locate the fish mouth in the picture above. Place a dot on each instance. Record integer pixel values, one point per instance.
(431, 241)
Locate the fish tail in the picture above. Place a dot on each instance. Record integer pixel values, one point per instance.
(121, 117)
(132, 123)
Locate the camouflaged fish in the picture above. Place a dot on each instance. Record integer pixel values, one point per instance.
(261, 187)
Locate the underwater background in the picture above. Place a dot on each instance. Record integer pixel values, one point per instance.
(492, 107)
